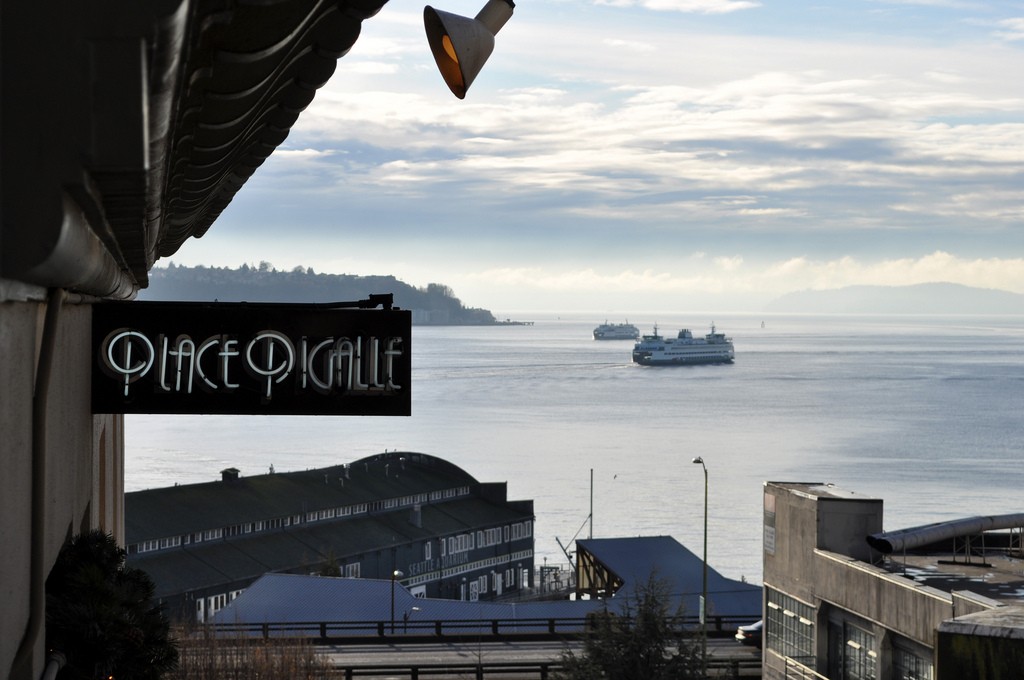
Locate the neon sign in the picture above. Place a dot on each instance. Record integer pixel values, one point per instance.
(250, 358)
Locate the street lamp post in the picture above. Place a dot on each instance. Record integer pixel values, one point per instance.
(394, 575)
(704, 579)
(405, 618)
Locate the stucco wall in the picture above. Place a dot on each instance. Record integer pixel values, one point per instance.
(73, 485)
(805, 522)
(844, 524)
(18, 322)
(978, 657)
(894, 602)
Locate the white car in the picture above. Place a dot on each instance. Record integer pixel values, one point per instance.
(750, 634)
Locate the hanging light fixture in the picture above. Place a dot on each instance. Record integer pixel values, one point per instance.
(461, 45)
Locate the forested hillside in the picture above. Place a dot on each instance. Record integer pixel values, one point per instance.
(434, 304)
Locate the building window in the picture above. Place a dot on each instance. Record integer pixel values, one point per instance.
(860, 657)
(427, 550)
(520, 531)
(488, 538)
(789, 628)
(907, 665)
(458, 544)
(352, 570)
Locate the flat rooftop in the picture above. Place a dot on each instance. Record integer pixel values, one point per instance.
(822, 490)
(996, 574)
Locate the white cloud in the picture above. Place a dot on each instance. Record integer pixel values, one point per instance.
(796, 132)
(954, 4)
(372, 67)
(659, 152)
(735, 274)
(688, 6)
(994, 272)
(299, 155)
(729, 264)
(632, 45)
(1011, 29)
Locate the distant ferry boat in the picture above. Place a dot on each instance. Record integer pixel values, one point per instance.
(616, 331)
(684, 349)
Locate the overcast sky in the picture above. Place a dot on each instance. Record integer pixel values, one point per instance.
(648, 155)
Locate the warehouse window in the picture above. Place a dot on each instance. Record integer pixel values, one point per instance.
(909, 665)
(860, 659)
(789, 628)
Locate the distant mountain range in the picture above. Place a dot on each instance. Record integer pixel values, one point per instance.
(434, 305)
(924, 298)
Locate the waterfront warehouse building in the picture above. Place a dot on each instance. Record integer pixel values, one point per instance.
(445, 533)
(845, 600)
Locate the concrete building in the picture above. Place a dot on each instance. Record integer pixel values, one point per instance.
(447, 534)
(126, 127)
(847, 601)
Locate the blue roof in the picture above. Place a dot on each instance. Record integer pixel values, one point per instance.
(294, 598)
(637, 560)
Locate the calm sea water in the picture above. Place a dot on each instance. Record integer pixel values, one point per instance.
(925, 412)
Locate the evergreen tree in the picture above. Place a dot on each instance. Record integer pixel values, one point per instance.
(101, 614)
(644, 642)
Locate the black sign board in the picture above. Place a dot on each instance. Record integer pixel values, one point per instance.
(252, 358)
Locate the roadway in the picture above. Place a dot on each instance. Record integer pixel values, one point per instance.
(721, 653)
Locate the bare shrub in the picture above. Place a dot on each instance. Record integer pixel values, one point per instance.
(202, 656)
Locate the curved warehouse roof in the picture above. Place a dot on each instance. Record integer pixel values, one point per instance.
(233, 500)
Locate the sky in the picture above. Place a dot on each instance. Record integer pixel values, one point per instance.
(648, 155)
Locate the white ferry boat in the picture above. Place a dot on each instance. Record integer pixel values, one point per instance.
(616, 331)
(684, 349)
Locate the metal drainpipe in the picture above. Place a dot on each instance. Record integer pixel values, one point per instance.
(37, 583)
(54, 662)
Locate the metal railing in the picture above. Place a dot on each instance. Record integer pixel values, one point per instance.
(531, 669)
(475, 629)
(798, 671)
(451, 629)
(723, 668)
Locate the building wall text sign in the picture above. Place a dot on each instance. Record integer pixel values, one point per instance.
(251, 358)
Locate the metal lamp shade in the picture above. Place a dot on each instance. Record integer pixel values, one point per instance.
(461, 45)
